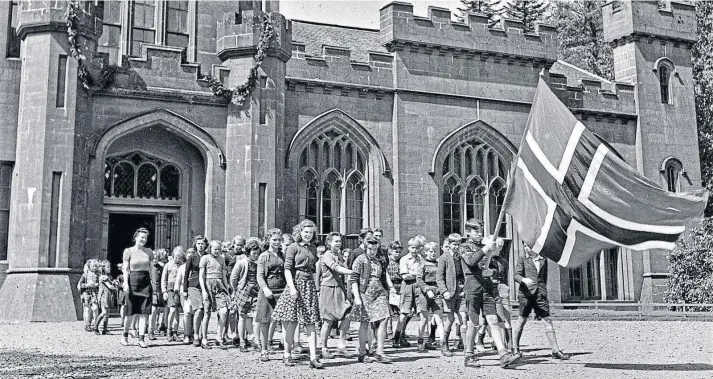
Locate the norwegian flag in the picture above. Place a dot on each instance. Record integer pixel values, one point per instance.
(570, 196)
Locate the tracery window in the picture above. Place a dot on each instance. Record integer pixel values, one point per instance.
(473, 186)
(137, 175)
(332, 187)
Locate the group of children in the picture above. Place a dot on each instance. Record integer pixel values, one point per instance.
(259, 284)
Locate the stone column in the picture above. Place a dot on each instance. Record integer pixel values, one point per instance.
(47, 228)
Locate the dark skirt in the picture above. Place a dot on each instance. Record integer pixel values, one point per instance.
(217, 295)
(138, 300)
(333, 303)
(174, 299)
(264, 307)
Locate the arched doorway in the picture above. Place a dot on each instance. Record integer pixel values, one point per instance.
(157, 171)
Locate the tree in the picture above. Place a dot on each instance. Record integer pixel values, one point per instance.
(526, 11)
(691, 267)
(702, 56)
(581, 36)
(490, 8)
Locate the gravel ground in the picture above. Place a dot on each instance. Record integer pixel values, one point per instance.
(600, 349)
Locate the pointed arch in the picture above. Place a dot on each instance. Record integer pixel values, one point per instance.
(342, 123)
(477, 131)
(172, 121)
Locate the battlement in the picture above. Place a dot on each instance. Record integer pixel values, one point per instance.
(598, 98)
(238, 34)
(673, 21)
(437, 32)
(49, 15)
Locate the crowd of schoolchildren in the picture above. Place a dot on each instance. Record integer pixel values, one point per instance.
(286, 281)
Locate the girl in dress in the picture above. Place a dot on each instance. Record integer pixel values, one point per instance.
(137, 285)
(370, 286)
(105, 297)
(170, 296)
(334, 304)
(157, 302)
(214, 286)
(300, 304)
(243, 280)
(88, 287)
(271, 279)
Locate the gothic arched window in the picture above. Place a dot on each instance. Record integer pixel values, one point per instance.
(664, 75)
(334, 200)
(473, 186)
(142, 176)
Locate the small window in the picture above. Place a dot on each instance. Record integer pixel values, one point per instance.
(664, 79)
(672, 173)
(5, 185)
(61, 81)
(13, 41)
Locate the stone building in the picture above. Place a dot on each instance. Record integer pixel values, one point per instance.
(409, 128)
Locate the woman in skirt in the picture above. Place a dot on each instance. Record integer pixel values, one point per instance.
(271, 279)
(138, 264)
(369, 282)
(300, 304)
(215, 291)
(334, 304)
(245, 289)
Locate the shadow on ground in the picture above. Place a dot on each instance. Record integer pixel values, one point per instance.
(23, 363)
(652, 367)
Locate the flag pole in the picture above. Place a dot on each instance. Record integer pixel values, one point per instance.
(511, 174)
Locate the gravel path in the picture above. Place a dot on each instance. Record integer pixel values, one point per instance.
(601, 349)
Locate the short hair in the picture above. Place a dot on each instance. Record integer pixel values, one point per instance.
(446, 241)
(141, 230)
(238, 238)
(253, 243)
(421, 238)
(455, 237)
(216, 243)
(179, 256)
(273, 232)
(198, 238)
(226, 245)
(395, 245)
(474, 223)
(364, 232)
(287, 238)
(431, 245)
(331, 235)
(415, 241)
(378, 230)
(190, 251)
(302, 226)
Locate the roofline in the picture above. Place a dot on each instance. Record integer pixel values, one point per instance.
(584, 71)
(336, 25)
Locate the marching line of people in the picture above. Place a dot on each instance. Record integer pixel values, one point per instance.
(258, 285)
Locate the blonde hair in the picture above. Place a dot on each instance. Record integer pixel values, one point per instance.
(431, 245)
(179, 256)
(415, 241)
(300, 227)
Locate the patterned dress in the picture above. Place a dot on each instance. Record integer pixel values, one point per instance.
(375, 300)
(301, 260)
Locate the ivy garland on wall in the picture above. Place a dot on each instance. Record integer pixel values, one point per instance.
(239, 94)
(106, 75)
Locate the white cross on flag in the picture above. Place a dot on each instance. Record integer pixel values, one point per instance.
(571, 196)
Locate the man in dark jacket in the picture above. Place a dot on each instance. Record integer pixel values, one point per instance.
(531, 274)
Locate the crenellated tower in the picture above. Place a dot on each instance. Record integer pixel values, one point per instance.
(254, 132)
(652, 42)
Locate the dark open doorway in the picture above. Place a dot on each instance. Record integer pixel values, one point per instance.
(121, 232)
